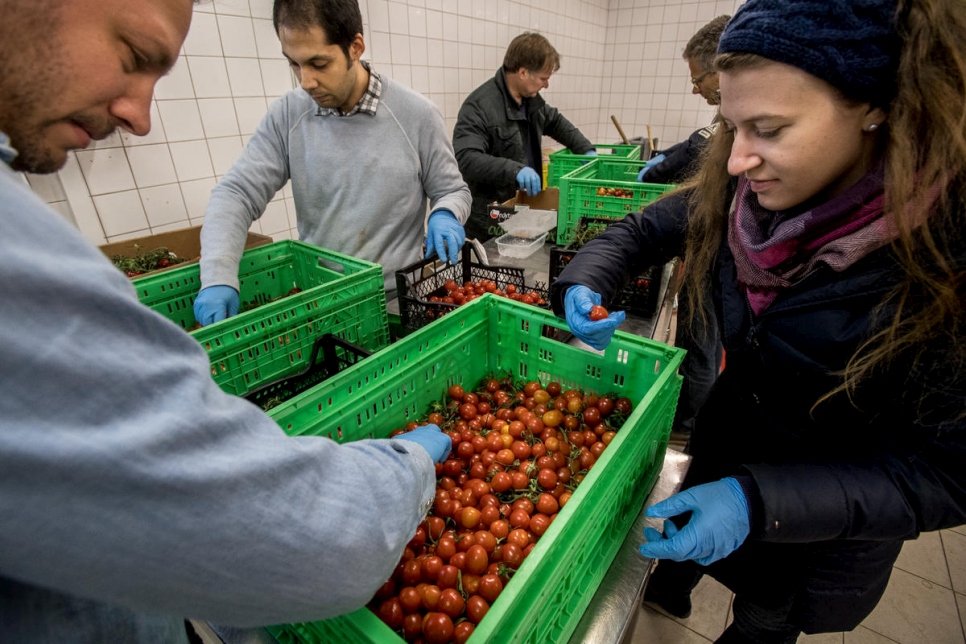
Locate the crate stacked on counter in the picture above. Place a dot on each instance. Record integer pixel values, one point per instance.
(604, 187)
(291, 294)
(424, 289)
(564, 161)
(547, 595)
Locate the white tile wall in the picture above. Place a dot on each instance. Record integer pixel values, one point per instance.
(619, 57)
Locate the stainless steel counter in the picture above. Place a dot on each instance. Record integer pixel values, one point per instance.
(612, 613)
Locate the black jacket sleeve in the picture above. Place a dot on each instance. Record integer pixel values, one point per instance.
(681, 158)
(641, 239)
(558, 128)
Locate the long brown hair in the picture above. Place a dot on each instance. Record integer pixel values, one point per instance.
(924, 149)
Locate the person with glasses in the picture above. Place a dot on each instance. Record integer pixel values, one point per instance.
(673, 164)
(704, 354)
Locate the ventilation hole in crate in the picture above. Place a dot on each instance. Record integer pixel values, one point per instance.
(522, 371)
(657, 366)
(619, 380)
(622, 355)
(524, 347)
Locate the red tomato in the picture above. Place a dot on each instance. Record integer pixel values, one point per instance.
(476, 608)
(412, 626)
(547, 504)
(391, 612)
(410, 600)
(448, 577)
(490, 587)
(451, 603)
(477, 559)
(455, 392)
(437, 628)
(463, 631)
(429, 593)
(598, 313)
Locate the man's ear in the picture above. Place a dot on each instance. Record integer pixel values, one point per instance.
(356, 48)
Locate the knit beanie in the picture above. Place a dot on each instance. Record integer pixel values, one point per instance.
(850, 44)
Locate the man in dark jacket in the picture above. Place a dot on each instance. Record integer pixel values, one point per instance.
(500, 127)
(674, 164)
(703, 360)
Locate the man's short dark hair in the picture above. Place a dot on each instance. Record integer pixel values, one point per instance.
(341, 20)
(531, 51)
(703, 46)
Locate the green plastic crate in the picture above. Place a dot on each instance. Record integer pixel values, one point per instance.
(341, 295)
(564, 161)
(580, 193)
(548, 595)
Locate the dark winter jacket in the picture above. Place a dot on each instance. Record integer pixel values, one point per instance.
(839, 486)
(491, 139)
(681, 158)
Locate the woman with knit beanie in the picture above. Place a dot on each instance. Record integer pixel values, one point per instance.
(827, 223)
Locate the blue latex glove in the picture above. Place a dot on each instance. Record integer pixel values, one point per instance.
(577, 304)
(650, 164)
(528, 180)
(718, 525)
(590, 153)
(215, 303)
(444, 228)
(430, 438)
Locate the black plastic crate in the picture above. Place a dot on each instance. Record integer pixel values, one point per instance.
(330, 355)
(425, 279)
(638, 296)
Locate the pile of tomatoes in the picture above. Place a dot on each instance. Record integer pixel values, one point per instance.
(469, 291)
(518, 454)
(615, 192)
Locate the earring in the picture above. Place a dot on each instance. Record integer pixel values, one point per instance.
(873, 127)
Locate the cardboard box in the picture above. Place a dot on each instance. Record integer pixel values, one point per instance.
(184, 243)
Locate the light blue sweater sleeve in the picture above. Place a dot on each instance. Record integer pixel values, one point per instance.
(128, 478)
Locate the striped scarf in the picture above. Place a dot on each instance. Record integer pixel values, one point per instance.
(774, 250)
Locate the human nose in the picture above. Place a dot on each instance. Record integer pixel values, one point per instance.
(133, 107)
(306, 79)
(743, 156)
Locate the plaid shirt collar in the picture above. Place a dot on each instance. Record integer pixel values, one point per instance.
(369, 102)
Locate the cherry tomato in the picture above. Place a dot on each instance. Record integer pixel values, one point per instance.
(410, 600)
(490, 587)
(455, 392)
(412, 626)
(391, 612)
(437, 628)
(598, 313)
(463, 630)
(476, 608)
(477, 559)
(451, 603)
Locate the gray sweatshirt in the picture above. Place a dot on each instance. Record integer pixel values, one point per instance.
(360, 182)
(134, 492)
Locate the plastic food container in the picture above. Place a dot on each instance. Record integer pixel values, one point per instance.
(510, 245)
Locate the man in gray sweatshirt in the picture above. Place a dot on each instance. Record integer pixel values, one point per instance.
(133, 491)
(363, 154)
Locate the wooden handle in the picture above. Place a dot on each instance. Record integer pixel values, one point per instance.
(650, 139)
(619, 129)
